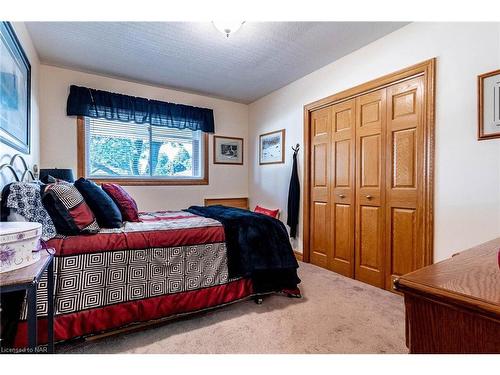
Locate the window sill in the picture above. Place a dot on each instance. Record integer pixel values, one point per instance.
(151, 182)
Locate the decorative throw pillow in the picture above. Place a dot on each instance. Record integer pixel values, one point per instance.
(24, 199)
(267, 211)
(105, 210)
(123, 200)
(68, 210)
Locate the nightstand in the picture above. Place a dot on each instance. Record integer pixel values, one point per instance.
(27, 278)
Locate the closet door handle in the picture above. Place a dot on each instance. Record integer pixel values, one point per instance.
(341, 195)
(369, 197)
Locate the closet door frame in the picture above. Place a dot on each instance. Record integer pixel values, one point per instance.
(425, 69)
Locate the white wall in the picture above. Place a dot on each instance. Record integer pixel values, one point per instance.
(58, 136)
(6, 152)
(467, 176)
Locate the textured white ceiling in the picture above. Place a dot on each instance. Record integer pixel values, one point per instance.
(259, 58)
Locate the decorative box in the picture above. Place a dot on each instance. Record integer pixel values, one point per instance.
(19, 244)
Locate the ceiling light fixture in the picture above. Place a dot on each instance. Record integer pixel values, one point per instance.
(228, 27)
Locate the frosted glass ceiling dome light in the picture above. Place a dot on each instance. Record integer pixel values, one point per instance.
(228, 27)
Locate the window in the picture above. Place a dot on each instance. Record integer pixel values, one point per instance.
(135, 154)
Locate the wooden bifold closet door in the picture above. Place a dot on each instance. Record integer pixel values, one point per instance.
(404, 179)
(342, 193)
(321, 130)
(370, 184)
(366, 187)
(332, 187)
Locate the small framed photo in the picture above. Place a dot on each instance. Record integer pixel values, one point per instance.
(228, 150)
(489, 105)
(272, 147)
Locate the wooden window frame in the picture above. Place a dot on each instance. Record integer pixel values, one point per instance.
(426, 69)
(81, 166)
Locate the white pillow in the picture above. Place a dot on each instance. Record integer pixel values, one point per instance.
(15, 216)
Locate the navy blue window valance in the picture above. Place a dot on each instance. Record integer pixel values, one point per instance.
(83, 101)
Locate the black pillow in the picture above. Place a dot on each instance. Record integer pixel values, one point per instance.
(48, 179)
(68, 210)
(4, 210)
(106, 211)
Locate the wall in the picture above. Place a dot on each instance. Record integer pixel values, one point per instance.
(7, 152)
(467, 174)
(58, 136)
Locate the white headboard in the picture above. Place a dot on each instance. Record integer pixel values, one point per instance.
(17, 169)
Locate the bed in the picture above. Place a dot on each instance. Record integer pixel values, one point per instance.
(170, 264)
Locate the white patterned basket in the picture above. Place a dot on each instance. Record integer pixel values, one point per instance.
(19, 244)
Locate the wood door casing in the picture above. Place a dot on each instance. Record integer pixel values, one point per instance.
(370, 188)
(320, 247)
(342, 193)
(404, 179)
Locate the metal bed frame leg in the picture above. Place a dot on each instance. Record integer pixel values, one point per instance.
(50, 308)
(258, 300)
(32, 319)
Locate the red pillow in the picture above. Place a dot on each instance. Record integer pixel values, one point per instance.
(267, 211)
(126, 204)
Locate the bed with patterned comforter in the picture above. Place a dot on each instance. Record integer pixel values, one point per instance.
(171, 263)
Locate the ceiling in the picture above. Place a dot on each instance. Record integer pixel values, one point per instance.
(193, 56)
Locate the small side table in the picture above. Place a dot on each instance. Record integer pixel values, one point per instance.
(27, 278)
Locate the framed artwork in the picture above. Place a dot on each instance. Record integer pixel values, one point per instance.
(489, 105)
(272, 147)
(228, 150)
(15, 91)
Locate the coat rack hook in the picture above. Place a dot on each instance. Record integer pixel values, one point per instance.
(296, 148)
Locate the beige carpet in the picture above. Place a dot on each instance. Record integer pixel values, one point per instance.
(335, 315)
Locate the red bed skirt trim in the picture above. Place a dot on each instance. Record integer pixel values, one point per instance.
(107, 318)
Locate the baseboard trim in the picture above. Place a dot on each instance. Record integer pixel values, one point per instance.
(298, 255)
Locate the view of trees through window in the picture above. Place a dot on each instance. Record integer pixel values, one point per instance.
(117, 149)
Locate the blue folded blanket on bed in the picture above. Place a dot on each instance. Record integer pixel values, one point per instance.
(257, 247)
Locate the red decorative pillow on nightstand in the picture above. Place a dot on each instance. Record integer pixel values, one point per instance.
(267, 211)
(123, 200)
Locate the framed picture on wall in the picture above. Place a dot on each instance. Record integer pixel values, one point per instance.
(15, 91)
(228, 150)
(272, 147)
(489, 105)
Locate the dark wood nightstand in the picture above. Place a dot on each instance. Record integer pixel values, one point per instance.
(27, 278)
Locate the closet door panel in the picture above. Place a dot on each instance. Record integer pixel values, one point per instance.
(404, 179)
(404, 240)
(343, 246)
(370, 188)
(320, 238)
(370, 238)
(320, 172)
(404, 146)
(343, 164)
(342, 193)
(370, 161)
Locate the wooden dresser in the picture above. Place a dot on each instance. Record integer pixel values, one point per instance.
(454, 306)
